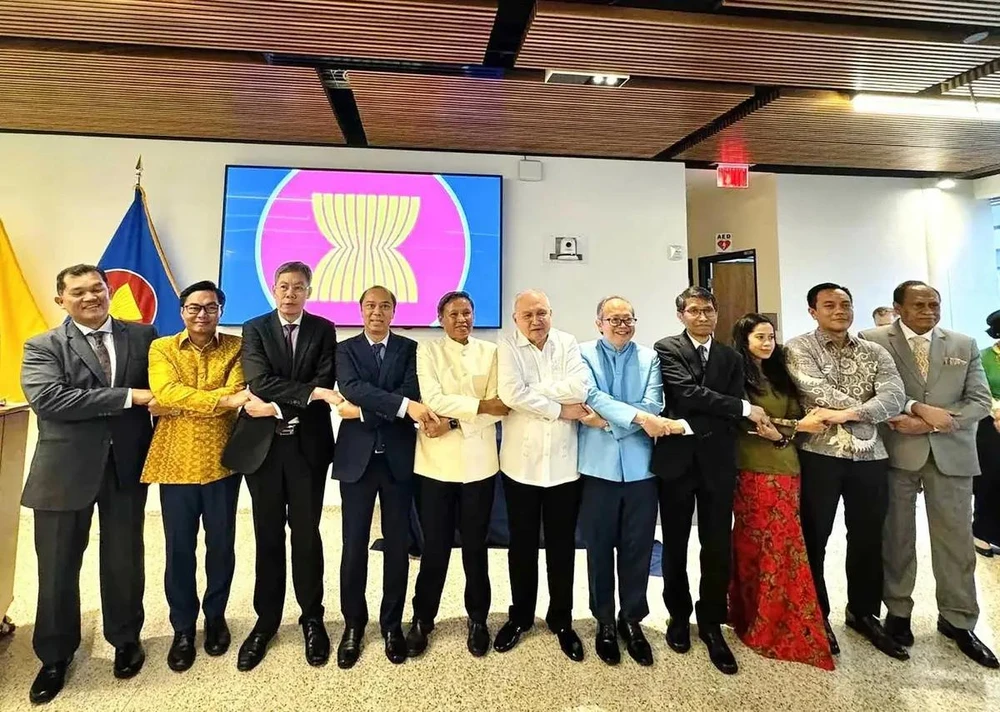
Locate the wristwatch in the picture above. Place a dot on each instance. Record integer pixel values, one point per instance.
(452, 424)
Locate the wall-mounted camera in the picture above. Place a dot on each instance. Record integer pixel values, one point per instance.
(567, 249)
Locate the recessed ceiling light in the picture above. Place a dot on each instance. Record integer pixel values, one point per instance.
(976, 37)
(946, 183)
(902, 105)
(599, 79)
(560, 76)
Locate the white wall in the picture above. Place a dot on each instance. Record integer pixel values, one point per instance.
(962, 257)
(868, 234)
(61, 198)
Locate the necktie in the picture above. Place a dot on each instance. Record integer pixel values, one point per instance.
(97, 338)
(703, 355)
(378, 349)
(922, 354)
(289, 342)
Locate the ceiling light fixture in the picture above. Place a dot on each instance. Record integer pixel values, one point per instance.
(924, 106)
(946, 183)
(976, 37)
(560, 76)
(599, 79)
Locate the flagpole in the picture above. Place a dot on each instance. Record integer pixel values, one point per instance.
(138, 172)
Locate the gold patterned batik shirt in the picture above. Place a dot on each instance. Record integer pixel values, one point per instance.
(188, 442)
(860, 376)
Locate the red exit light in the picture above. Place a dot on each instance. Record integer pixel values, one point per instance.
(729, 175)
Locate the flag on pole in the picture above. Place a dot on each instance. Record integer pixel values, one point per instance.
(142, 287)
(20, 319)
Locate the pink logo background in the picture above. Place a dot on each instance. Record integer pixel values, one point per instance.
(437, 248)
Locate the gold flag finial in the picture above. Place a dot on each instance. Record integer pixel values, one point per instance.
(138, 171)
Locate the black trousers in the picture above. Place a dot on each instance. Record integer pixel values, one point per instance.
(864, 487)
(185, 508)
(986, 487)
(622, 516)
(60, 540)
(712, 493)
(530, 509)
(358, 499)
(443, 505)
(286, 489)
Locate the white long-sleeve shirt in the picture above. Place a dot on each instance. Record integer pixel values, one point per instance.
(537, 447)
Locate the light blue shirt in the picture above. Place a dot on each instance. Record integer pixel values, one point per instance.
(623, 383)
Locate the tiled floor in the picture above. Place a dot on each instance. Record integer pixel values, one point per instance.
(534, 676)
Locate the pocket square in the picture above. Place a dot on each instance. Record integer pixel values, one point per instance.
(953, 361)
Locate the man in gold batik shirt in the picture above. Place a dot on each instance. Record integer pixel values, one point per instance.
(197, 384)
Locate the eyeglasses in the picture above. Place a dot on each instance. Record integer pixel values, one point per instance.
(196, 309)
(706, 312)
(621, 321)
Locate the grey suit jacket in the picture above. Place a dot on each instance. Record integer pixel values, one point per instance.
(81, 417)
(956, 382)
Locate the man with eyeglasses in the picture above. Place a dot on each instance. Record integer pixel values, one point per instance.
(283, 443)
(618, 507)
(542, 378)
(703, 388)
(197, 384)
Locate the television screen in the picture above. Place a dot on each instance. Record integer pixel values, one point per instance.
(418, 234)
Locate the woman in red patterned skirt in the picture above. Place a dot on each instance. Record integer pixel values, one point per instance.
(772, 599)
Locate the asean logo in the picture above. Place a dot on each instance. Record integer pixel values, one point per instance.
(132, 297)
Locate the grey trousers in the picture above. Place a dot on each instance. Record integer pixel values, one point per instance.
(948, 501)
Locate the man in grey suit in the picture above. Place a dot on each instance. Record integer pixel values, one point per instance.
(932, 446)
(87, 381)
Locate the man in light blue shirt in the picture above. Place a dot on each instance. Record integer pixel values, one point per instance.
(618, 508)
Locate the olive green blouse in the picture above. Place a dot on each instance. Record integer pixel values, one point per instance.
(758, 454)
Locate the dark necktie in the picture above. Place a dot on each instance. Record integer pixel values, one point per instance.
(378, 349)
(703, 355)
(289, 342)
(97, 338)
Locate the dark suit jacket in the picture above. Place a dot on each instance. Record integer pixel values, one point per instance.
(710, 401)
(81, 417)
(379, 394)
(275, 378)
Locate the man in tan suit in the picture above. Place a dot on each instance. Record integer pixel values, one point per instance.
(932, 446)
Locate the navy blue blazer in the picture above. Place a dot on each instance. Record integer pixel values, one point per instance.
(379, 394)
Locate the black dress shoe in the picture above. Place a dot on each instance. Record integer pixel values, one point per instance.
(253, 650)
(718, 649)
(570, 643)
(217, 637)
(508, 636)
(395, 646)
(479, 639)
(831, 638)
(317, 643)
(128, 660)
(679, 636)
(870, 627)
(349, 649)
(987, 552)
(635, 643)
(606, 644)
(182, 651)
(899, 630)
(48, 682)
(416, 638)
(969, 644)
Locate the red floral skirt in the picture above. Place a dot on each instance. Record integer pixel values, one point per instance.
(772, 598)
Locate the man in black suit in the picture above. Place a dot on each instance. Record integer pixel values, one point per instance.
(378, 379)
(703, 389)
(87, 381)
(283, 443)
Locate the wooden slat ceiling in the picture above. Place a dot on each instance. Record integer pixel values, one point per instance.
(640, 42)
(442, 30)
(528, 116)
(972, 12)
(102, 94)
(985, 88)
(828, 132)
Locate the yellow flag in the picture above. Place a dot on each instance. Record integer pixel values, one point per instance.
(20, 319)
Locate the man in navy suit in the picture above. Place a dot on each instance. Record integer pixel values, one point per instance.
(377, 375)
